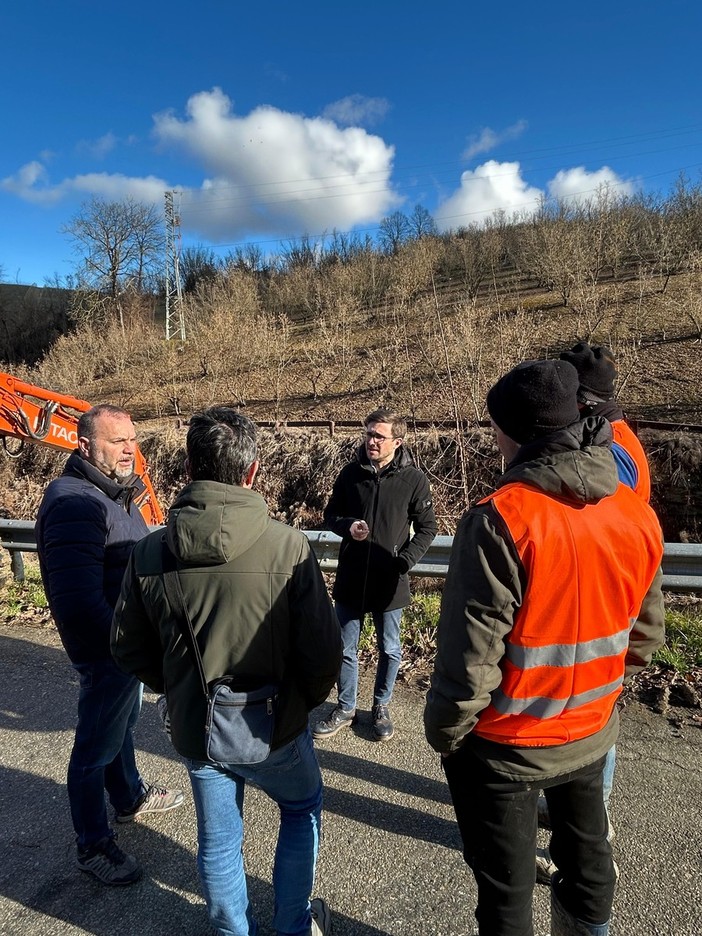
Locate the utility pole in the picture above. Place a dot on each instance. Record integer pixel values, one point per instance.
(175, 321)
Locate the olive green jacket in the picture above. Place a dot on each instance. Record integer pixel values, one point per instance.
(258, 604)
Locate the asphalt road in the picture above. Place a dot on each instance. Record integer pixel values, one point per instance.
(390, 863)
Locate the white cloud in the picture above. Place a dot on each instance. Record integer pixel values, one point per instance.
(488, 139)
(490, 187)
(31, 183)
(266, 173)
(357, 110)
(276, 173)
(578, 183)
(99, 148)
(495, 186)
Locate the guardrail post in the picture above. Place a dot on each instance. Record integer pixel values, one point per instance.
(17, 565)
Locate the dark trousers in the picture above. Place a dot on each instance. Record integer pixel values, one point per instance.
(103, 751)
(497, 819)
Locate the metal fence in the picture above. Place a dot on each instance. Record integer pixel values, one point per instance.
(682, 562)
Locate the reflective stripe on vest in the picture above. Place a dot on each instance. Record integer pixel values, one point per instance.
(587, 569)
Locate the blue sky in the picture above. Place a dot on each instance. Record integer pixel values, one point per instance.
(277, 120)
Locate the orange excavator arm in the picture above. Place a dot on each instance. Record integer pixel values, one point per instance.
(33, 414)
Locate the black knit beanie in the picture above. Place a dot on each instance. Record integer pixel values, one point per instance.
(535, 399)
(596, 369)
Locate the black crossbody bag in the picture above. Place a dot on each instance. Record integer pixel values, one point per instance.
(239, 725)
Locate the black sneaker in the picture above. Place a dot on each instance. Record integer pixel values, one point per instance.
(108, 863)
(382, 726)
(339, 718)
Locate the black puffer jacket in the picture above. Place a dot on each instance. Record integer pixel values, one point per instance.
(397, 506)
(86, 527)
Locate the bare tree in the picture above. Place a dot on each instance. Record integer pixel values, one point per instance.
(421, 224)
(393, 232)
(197, 265)
(119, 244)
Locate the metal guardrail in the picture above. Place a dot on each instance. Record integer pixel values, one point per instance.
(682, 562)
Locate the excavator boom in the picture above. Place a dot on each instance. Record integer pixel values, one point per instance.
(33, 414)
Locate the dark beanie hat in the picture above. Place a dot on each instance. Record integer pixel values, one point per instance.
(596, 368)
(535, 399)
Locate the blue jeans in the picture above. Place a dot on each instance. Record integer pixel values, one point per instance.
(291, 777)
(387, 631)
(102, 759)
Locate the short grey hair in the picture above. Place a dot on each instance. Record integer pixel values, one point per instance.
(86, 423)
(221, 445)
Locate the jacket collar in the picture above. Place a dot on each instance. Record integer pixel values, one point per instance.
(401, 459)
(574, 463)
(77, 466)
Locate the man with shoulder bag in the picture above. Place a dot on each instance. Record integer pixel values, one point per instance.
(227, 612)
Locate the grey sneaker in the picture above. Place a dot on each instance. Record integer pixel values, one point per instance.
(321, 918)
(339, 718)
(382, 726)
(545, 867)
(153, 800)
(108, 863)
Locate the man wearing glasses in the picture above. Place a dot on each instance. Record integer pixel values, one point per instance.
(381, 505)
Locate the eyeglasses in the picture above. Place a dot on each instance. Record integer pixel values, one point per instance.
(378, 437)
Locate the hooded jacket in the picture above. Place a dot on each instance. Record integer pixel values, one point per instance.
(86, 527)
(397, 506)
(487, 598)
(629, 454)
(259, 608)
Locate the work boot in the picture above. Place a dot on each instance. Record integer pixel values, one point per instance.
(339, 718)
(382, 726)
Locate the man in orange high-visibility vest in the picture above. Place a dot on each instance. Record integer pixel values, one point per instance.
(553, 595)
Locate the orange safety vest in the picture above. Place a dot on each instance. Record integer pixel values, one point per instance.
(588, 568)
(627, 438)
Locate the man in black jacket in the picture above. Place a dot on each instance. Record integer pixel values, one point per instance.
(381, 505)
(86, 527)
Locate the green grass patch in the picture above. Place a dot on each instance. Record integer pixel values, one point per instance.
(683, 642)
(20, 598)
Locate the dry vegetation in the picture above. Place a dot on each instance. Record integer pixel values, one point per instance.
(330, 333)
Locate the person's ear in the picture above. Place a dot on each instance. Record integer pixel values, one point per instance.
(84, 446)
(186, 468)
(251, 474)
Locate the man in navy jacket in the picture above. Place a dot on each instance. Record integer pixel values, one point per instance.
(86, 527)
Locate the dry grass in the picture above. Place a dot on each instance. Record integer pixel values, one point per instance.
(334, 343)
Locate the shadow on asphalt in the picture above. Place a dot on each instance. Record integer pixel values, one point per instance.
(387, 777)
(37, 851)
(53, 684)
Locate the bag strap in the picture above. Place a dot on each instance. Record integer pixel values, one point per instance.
(176, 599)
